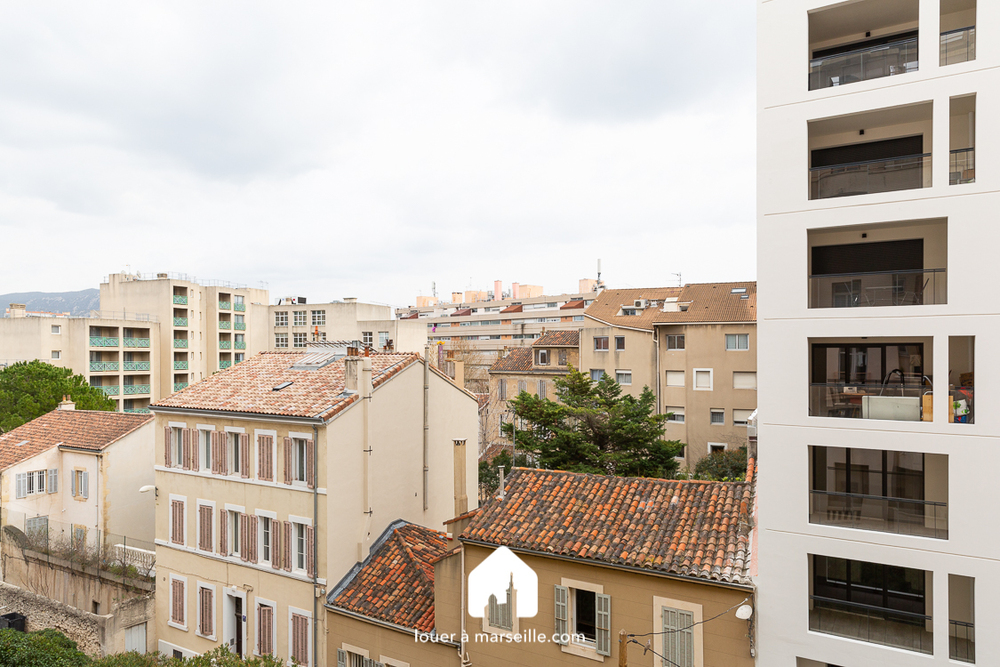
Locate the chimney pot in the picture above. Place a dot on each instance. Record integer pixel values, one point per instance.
(66, 404)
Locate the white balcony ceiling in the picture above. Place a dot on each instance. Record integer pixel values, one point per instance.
(852, 18)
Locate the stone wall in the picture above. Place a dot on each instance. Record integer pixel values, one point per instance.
(82, 627)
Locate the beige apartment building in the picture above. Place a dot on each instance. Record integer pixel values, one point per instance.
(693, 346)
(294, 323)
(282, 472)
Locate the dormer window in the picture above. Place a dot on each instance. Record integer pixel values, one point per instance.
(628, 312)
(542, 357)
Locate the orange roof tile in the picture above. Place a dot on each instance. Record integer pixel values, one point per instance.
(558, 339)
(516, 360)
(608, 306)
(714, 302)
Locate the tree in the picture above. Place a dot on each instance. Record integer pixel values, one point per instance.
(727, 465)
(29, 389)
(594, 428)
(489, 471)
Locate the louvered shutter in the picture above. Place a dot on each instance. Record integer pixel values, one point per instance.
(300, 641)
(85, 484)
(244, 455)
(310, 542)
(204, 528)
(224, 454)
(243, 537)
(223, 532)
(341, 658)
(310, 461)
(254, 524)
(205, 608)
(72, 483)
(288, 460)
(287, 558)
(214, 445)
(166, 447)
(177, 601)
(177, 521)
(603, 624)
(562, 615)
(265, 461)
(53, 480)
(276, 544)
(195, 439)
(678, 637)
(265, 630)
(185, 449)
(21, 483)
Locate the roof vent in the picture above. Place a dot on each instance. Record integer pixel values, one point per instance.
(738, 290)
(281, 386)
(23, 443)
(744, 296)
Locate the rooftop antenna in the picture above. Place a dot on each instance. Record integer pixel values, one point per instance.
(434, 289)
(600, 285)
(680, 283)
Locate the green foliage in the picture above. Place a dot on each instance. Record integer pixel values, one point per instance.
(29, 389)
(489, 472)
(595, 429)
(728, 465)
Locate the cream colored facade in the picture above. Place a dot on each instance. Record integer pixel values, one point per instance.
(369, 473)
(292, 324)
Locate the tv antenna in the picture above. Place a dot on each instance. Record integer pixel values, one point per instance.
(680, 283)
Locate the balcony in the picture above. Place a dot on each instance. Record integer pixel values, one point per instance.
(136, 365)
(225, 363)
(181, 300)
(179, 385)
(225, 324)
(138, 411)
(180, 321)
(180, 365)
(887, 515)
(240, 326)
(873, 624)
(962, 166)
(181, 342)
(920, 287)
(136, 342)
(240, 345)
(962, 641)
(869, 177)
(239, 307)
(958, 46)
(109, 389)
(870, 401)
(103, 366)
(225, 345)
(864, 64)
(103, 341)
(132, 389)
(225, 305)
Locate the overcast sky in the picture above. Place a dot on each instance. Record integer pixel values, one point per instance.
(368, 149)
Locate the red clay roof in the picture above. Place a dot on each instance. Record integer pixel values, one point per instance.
(687, 528)
(571, 305)
(513, 309)
(558, 339)
(396, 582)
(715, 302)
(462, 311)
(607, 306)
(516, 360)
(84, 429)
(249, 386)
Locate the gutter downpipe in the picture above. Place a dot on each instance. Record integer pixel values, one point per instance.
(462, 654)
(315, 622)
(656, 352)
(427, 385)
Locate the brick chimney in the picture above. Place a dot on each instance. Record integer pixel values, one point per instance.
(66, 404)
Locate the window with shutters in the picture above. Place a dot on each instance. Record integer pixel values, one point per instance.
(265, 456)
(177, 528)
(80, 488)
(233, 453)
(522, 386)
(206, 526)
(178, 602)
(353, 656)
(744, 380)
(233, 533)
(206, 610)
(298, 632)
(300, 459)
(31, 483)
(177, 447)
(265, 628)
(680, 641)
(502, 390)
(265, 539)
(205, 449)
(583, 619)
(299, 545)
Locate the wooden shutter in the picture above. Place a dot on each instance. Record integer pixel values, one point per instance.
(265, 629)
(300, 638)
(288, 460)
(185, 449)
(603, 624)
(84, 484)
(341, 658)
(177, 521)
(252, 538)
(205, 528)
(276, 544)
(310, 461)
(214, 444)
(288, 546)
(244, 556)
(678, 636)
(310, 560)
(177, 601)
(244, 440)
(562, 615)
(223, 532)
(265, 458)
(205, 609)
(166, 447)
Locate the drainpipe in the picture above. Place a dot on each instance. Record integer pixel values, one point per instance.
(656, 352)
(427, 386)
(365, 390)
(315, 540)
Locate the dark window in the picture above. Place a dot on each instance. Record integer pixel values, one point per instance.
(869, 150)
(586, 614)
(864, 257)
(865, 44)
(867, 364)
(870, 472)
(619, 342)
(600, 342)
(873, 584)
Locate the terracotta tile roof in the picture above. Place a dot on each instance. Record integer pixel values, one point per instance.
(396, 582)
(513, 309)
(248, 386)
(517, 359)
(607, 306)
(572, 305)
(558, 339)
(85, 429)
(715, 302)
(462, 311)
(686, 528)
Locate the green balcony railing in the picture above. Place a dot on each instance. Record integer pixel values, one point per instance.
(225, 363)
(225, 305)
(239, 307)
(240, 345)
(136, 342)
(103, 341)
(225, 324)
(179, 385)
(225, 344)
(101, 366)
(181, 342)
(130, 389)
(109, 389)
(240, 326)
(180, 365)
(138, 411)
(182, 300)
(180, 321)
(136, 365)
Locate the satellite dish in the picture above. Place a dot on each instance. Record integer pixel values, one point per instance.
(744, 612)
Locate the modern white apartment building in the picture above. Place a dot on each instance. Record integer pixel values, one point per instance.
(293, 323)
(875, 236)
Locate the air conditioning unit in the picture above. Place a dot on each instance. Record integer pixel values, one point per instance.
(641, 303)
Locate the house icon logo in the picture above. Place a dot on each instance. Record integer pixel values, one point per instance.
(503, 587)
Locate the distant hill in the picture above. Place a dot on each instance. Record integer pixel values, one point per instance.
(74, 303)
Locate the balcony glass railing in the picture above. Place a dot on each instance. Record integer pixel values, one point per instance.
(961, 641)
(225, 364)
(180, 365)
(240, 326)
(886, 515)
(131, 389)
(103, 341)
(225, 305)
(136, 342)
(180, 321)
(240, 345)
(893, 402)
(179, 299)
(870, 177)
(179, 385)
(103, 366)
(109, 389)
(921, 287)
(225, 345)
(962, 166)
(139, 411)
(863, 64)
(958, 46)
(225, 324)
(868, 623)
(239, 307)
(136, 365)
(181, 342)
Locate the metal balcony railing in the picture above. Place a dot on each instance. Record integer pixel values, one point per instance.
(181, 342)
(920, 287)
(179, 299)
(109, 389)
(180, 321)
(131, 389)
(136, 342)
(239, 307)
(864, 64)
(103, 366)
(225, 363)
(240, 326)
(180, 365)
(878, 513)
(179, 385)
(225, 324)
(136, 365)
(140, 411)
(869, 623)
(958, 46)
(961, 641)
(962, 166)
(240, 345)
(225, 305)
(225, 344)
(103, 341)
(893, 402)
(869, 177)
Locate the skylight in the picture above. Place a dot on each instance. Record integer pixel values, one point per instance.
(282, 386)
(738, 290)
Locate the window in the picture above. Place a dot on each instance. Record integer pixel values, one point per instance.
(265, 538)
(206, 611)
(962, 618)
(299, 318)
(714, 447)
(281, 318)
(55, 354)
(238, 357)
(718, 417)
(600, 343)
(737, 341)
(596, 374)
(234, 453)
(265, 628)
(619, 343)
(299, 545)
(178, 602)
(37, 528)
(366, 338)
(238, 320)
(30, 483)
(578, 318)
(206, 534)
(383, 339)
(675, 341)
(319, 336)
(623, 377)
(675, 378)
(744, 380)
(703, 379)
(629, 312)
(299, 459)
(177, 520)
(177, 447)
(542, 389)
(239, 338)
(681, 631)
(233, 537)
(542, 357)
(80, 487)
(299, 340)
(280, 340)
(501, 615)
(741, 417)
(238, 299)
(676, 414)
(205, 449)
(563, 357)
(56, 329)
(582, 618)
(53, 480)
(319, 318)
(502, 390)
(522, 386)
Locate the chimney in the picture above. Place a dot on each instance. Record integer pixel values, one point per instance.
(460, 374)
(352, 374)
(461, 495)
(500, 487)
(350, 299)
(515, 289)
(66, 404)
(497, 290)
(18, 310)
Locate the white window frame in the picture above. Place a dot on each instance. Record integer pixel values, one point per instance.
(296, 522)
(597, 370)
(304, 437)
(678, 411)
(280, 341)
(273, 518)
(711, 379)
(56, 330)
(716, 411)
(542, 357)
(309, 631)
(743, 422)
(607, 342)
(622, 373)
(205, 448)
(674, 338)
(699, 628)
(300, 339)
(233, 449)
(281, 318)
(586, 650)
(233, 526)
(716, 446)
(170, 508)
(298, 315)
(215, 603)
(262, 602)
(622, 339)
(739, 337)
(170, 602)
(55, 355)
(318, 318)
